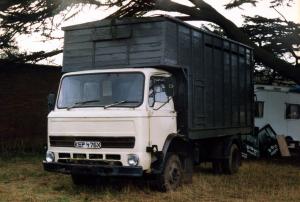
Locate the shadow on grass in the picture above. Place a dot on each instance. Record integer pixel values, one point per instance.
(119, 185)
(291, 161)
(205, 168)
(144, 184)
(114, 185)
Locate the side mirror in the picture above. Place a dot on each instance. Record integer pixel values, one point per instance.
(170, 86)
(51, 101)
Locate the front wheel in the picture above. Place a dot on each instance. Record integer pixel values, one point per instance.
(172, 174)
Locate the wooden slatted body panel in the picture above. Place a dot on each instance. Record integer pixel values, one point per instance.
(113, 46)
(220, 87)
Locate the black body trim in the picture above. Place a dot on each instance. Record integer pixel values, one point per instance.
(106, 142)
(97, 170)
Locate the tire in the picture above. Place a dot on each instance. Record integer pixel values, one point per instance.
(232, 164)
(171, 176)
(83, 179)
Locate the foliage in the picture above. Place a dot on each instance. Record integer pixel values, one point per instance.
(277, 35)
(35, 16)
(273, 3)
(274, 34)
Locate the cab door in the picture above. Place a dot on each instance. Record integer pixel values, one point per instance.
(161, 111)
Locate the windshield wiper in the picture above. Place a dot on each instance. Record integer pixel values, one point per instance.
(82, 103)
(120, 102)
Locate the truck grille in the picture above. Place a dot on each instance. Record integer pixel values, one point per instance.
(106, 142)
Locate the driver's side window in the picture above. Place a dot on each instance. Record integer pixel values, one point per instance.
(157, 91)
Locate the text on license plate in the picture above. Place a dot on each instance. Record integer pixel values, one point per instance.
(87, 144)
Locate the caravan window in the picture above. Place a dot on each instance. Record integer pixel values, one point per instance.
(292, 111)
(259, 109)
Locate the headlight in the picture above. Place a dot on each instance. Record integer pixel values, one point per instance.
(133, 159)
(50, 157)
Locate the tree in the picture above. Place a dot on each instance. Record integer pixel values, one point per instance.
(31, 16)
(275, 40)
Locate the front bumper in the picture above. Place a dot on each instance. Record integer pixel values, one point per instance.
(97, 170)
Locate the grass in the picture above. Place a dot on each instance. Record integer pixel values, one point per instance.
(23, 179)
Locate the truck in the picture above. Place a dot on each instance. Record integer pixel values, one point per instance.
(150, 96)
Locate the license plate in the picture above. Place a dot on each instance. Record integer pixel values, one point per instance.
(87, 144)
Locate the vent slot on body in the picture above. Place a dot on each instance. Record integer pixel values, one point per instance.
(113, 157)
(95, 156)
(79, 156)
(64, 155)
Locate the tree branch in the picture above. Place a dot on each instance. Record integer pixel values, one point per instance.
(208, 13)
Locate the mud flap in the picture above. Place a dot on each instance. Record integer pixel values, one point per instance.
(188, 170)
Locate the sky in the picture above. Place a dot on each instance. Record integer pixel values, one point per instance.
(89, 13)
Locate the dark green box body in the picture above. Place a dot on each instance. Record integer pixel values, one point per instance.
(218, 70)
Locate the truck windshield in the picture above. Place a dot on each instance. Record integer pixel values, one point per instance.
(102, 89)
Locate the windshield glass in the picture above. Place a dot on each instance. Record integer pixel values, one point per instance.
(103, 89)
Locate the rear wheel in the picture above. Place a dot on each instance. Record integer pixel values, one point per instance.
(232, 164)
(172, 174)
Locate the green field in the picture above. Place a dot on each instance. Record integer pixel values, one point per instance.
(23, 179)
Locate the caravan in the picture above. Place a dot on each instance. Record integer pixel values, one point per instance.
(280, 107)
